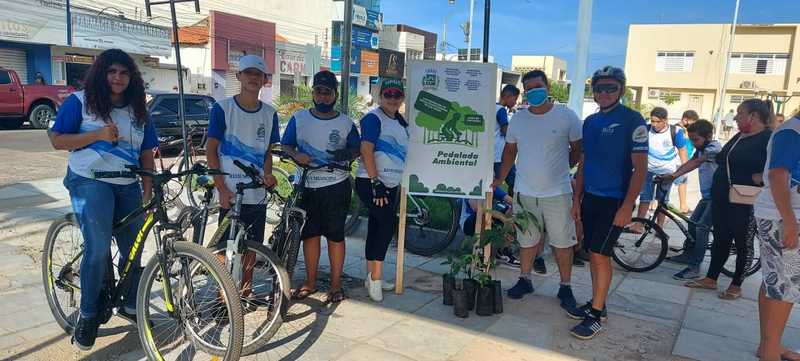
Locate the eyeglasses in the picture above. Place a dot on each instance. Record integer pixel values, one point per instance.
(605, 88)
(393, 94)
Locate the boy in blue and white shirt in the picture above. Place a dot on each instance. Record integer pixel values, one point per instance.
(701, 134)
(316, 137)
(243, 128)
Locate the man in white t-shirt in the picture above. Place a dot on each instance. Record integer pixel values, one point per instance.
(666, 152)
(547, 137)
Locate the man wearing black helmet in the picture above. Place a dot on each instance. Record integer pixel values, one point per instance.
(610, 175)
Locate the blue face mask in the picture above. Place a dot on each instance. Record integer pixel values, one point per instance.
(536, 96)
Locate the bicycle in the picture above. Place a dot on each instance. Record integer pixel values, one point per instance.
(642, 252)
(267, 289)
(202, 311)
(431, 222)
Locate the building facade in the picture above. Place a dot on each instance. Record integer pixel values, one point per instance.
(681, 66)
(554, 67)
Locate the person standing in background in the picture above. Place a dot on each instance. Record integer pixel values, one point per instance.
(688, 118)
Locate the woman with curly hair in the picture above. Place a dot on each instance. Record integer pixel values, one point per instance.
(105, 128)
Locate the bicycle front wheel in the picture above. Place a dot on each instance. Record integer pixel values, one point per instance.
(641, 252)
(188, 307)
(431, 224)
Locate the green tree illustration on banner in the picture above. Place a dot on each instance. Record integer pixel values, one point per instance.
(446, 122)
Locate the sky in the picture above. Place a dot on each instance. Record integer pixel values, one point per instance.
(547, 27)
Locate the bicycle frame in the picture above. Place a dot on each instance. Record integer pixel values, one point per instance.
(674, 215)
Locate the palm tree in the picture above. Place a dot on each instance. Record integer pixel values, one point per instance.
(302, 99)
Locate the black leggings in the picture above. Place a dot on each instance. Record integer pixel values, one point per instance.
(382, 220)
(732, 223)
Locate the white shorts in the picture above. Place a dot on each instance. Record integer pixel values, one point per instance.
(553, 218)
(780, 267)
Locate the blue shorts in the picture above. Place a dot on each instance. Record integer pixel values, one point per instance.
(648, 189)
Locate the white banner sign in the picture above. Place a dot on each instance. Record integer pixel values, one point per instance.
(34, 21)
(359, 15)
(451, 114)
(100, 32)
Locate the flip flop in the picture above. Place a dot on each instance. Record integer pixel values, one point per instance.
(335, 297)
(789, 355)
(302, 293)
(698, 284)
(730, 295)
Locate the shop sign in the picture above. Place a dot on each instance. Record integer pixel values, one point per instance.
(41, 21)
(102, 32)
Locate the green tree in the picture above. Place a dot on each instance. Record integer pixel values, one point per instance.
(671, 99)
(559, 92)
(302, 99)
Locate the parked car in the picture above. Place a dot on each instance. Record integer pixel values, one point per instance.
(35, 103)
(163, 110)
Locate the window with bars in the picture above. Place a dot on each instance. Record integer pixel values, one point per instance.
(759, 63)
(738, 99)
(675, 61)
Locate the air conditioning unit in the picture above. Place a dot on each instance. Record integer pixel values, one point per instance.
(748, 84)
(653, 93)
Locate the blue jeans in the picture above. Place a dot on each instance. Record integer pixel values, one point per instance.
(649, 188)
(97, 206)
(702, 218)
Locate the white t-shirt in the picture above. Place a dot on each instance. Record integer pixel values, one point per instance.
(662, 155)
(543, 150)
(391, 145)
(502, 118)
(318, 137)
(784, 142)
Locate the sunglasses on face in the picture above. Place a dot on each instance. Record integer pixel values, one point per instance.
(605, 88)
(393, 94)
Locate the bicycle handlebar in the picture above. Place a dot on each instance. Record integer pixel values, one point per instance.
(329, 166)
(158, 178)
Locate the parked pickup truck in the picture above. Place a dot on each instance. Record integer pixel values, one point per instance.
(35, 103)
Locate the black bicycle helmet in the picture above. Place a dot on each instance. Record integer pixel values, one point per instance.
(609, 72)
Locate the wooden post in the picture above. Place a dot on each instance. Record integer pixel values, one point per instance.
(487, 250)
(401, 242)
(479, 222)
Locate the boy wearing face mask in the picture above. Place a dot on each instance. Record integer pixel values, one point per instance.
(701, 134)
(320, 136)
(547, 137)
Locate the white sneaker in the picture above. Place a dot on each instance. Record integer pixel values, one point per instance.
(387, 286)
(374, 288)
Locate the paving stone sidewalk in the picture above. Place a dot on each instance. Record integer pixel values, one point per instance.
(652, 316)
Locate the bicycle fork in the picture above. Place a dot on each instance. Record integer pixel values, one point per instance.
(233, 255)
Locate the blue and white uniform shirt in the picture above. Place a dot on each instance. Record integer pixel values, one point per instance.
(391, 146)
(317, 138)
(244, 136)
(103, 156)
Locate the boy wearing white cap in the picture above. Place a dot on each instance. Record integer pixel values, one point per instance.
(244, 128)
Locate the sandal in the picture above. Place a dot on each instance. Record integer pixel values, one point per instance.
(787, 355)
(730, 295)
(302, 293)
(335, 297)
(700, 284)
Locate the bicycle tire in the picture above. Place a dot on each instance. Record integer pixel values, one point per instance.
(354, 215)
(282, 296)
(195, 199)
(413, 245)
(293, 242)
(201, 256)
(649, 228)
(67, 323)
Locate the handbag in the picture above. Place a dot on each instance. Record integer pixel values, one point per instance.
(740, 193)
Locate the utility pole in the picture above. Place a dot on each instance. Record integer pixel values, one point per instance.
(444, 39)
(721, 108)
(578, 75)
(347, 42)
(487, 11)
(469, 30)
(181, 106)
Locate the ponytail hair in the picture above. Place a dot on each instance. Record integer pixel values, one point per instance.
(763, 108)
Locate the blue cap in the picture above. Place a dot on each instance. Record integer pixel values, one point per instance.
(252, 62)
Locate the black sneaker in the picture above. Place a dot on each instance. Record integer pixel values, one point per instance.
(127, 316)
(567, 298)
(580, 312)
(85, 333)
(523, 287)
(587, 329)
(539, 266)
(508, 260)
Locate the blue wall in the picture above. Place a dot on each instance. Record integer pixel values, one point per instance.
(38, 59)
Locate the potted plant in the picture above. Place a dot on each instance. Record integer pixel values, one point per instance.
(460, 302)
(449, 278)
(485, 296)
(469, 283)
